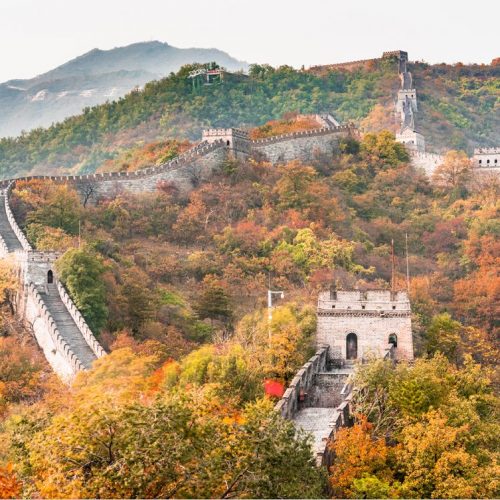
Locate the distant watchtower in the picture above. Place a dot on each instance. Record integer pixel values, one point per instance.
(359, 325)
(236, 140)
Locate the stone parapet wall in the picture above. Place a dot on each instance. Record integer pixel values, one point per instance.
(57, 351)
(4, 251)
(427, 161)
(190, 168)
(288, 405)
(80, 322)
(301, 145)
(12, 221)
(303, 133)
(181, 160)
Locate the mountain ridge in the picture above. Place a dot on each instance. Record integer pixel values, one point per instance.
(93, 78)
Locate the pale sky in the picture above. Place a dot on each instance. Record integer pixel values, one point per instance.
(38, 35)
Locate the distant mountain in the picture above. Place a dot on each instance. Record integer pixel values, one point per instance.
(94, 78)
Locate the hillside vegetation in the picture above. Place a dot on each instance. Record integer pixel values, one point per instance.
(94, 78)
(175, 287)
(458, 109)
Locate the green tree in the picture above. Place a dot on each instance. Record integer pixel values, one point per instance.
(80, 270)
(61, 210)
(213, 302)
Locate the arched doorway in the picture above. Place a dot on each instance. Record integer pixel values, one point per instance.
(351, 346)
(50, 276)
(393, 339)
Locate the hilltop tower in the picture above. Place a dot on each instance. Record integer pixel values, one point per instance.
(357, 325)
(236, 140)
(406, 105)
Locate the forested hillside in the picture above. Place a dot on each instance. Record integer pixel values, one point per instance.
(458, 109)
(93, 78)
(175, 287)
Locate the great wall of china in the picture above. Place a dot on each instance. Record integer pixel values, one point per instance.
(42, 302)
(319, 397)
(44, 305)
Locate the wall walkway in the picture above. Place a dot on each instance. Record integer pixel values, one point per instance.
(60, 330)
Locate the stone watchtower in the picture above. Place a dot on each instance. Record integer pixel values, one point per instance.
(237, 140)
(359, 325)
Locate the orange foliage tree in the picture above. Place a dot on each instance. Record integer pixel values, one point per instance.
(10, 486)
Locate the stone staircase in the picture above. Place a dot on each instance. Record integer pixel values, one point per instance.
(67, 326)
(323, 409)
(6, 231)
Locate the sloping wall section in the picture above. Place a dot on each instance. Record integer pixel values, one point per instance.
(59, 328)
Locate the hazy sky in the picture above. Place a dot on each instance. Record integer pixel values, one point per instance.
(37, 35)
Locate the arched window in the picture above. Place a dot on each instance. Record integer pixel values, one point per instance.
(351, 347)
(228, 142)
(50, 277)
(393, 339)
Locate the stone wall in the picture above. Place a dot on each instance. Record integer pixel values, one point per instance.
(427, 161)
(57, 351)
(185, 171)
(12, 221)
(191, 168)
(302, 145)
(80, 322)
(32, 269)
(303, 382)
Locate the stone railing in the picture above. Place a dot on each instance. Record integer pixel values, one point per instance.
(80, 322)
(12, 221)
(303, 133)
(3, 247)
(61, 345)
(426, 156)
(179, 161)
(302, 382)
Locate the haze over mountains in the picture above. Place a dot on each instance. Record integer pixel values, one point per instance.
(93, 78)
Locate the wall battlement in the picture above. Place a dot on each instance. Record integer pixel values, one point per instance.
(486, 151)
(190, 167)
(65, 338)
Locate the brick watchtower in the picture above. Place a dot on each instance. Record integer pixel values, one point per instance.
(236, 140)
(358, 325)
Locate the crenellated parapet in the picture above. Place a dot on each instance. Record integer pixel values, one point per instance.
(80, 322)
(302, 383)
(42, 302)
(12, 221)
(193, 166)
(57, 350)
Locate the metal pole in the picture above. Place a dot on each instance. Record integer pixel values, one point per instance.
(392, 267)
(407, 266)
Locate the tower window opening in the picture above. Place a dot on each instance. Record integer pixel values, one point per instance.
(351, 346)
(393, 339)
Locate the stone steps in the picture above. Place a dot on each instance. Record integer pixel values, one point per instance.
(67, 326)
